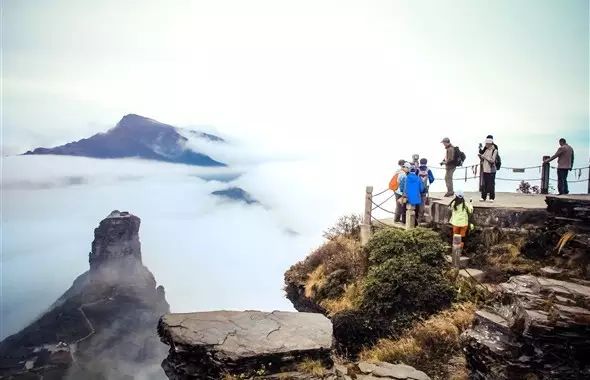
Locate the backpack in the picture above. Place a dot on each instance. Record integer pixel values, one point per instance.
(423, 174)
(458, 157)
(498, 161)
(394, 182)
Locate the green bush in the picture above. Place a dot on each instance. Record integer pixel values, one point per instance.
(334, 285)
(405, 285)
(420, 242)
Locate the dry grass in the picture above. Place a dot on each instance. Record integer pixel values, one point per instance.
(315, 280)
(507, 259)
(427, 345)
(350, 300)
(311, 367)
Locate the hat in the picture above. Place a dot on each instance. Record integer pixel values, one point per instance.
(423, 161)
(459, 193)
(446, 140)
(489, 141)
(407, 165)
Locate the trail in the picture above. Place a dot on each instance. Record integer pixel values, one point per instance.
(74, 345)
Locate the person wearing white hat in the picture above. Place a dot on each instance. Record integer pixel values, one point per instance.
(488, 156)
(460, 215)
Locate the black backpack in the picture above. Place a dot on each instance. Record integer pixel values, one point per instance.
(459, 157)
(498, 160)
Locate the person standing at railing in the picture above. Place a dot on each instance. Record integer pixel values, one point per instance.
(450, 165)
(394, 184)
(412, 188)
(565, 163)
(488, 156)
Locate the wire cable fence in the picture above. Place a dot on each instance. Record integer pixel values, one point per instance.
(471, 172)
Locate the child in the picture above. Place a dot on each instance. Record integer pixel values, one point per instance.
(460, 213)
(412, 188)
(427, 177)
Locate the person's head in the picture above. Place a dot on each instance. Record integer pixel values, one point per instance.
(423, 161)
(562, 141)
(407, 167)
(415, 157)
(401, 163)
(489, 142)
(459, 199)
(446, 142)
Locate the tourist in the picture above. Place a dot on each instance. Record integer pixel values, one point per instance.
(460, 215)
(565, 163)
(400, 209)
(426, 176)
(450, 165)
(412, 189)
(488, 156)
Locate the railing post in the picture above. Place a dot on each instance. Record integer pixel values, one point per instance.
(588, 179)
(457, 249)
(410, 216)
(545, 176)
(366, 225)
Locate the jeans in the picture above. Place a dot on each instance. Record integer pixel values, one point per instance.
(400, 210)
(489, 186)
(562, 181)
(449, 178)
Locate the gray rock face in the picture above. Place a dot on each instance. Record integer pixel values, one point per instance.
(209, 344)
(103, 327)
(541, 329)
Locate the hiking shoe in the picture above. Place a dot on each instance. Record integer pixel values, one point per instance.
(491, 201)
(482, 200)
(449, 194)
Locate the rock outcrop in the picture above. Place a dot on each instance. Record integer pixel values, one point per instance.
(104, 326)
(539, 330)
(208, 345)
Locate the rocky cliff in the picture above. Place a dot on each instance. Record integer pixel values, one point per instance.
(104, 326)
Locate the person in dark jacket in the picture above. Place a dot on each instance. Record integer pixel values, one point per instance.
(565, 163)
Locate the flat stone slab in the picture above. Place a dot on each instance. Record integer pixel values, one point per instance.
(241, 342)
(383, 370)
(463, 260)
(472, 273)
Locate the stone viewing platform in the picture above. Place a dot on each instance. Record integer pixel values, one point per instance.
(206, 345)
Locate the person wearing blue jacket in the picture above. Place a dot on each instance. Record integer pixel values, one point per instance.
(412, 188)
(427, 177)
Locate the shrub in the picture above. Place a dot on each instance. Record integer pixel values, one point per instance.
(428, 345)
(406, 285)
(334, 285)
(312, 367)
(421, 242)
(350, 300)
(348, 226)
(526, 188)
(357, 329)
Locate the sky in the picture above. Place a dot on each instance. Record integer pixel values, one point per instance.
(310, 77)
(317, 99)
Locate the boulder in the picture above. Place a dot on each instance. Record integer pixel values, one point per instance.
(540, 329)
(207, 345)
(379, 371)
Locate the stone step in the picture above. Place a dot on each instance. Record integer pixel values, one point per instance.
(463, 260)
(472, 273)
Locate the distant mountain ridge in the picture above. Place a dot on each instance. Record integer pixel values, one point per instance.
(141, 137)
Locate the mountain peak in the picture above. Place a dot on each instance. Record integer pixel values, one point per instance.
(140, 137)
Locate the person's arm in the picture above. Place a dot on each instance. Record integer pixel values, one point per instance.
(430, 176)
(492, 159)
(557, 154)
(402, 185)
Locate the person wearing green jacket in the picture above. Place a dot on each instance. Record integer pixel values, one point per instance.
(460, 213)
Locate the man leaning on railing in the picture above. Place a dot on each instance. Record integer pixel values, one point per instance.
(565, 163)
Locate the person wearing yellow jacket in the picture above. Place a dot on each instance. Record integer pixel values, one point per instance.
(460, 215)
